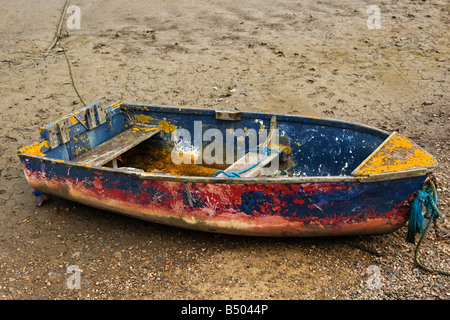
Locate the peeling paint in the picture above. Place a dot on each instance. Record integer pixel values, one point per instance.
(143, 118)
(167, 127)
(35, 149)
(73, 120)
(397, 154)
(327, 202)
(297, 209)
(116, 104)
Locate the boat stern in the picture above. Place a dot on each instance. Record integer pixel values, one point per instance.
(397, 157)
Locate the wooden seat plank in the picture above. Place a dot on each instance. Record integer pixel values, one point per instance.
(248, 160)
(252, 157)
(117, 145)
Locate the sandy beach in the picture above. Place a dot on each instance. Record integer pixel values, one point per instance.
(327, 59)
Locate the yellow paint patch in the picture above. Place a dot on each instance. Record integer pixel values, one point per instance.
(73, 120)
(397, 154)
(280, 147)
(143, 118)
(80, 150)
(287, 149)
(35, 149)
(166, 126)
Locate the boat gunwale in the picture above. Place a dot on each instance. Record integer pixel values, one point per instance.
(226, 180)
(267, 116)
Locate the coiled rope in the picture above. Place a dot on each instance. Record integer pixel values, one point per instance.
(427, 197)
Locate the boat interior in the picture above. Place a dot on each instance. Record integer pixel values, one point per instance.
(217, 143)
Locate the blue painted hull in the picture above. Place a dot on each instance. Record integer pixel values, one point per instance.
(321, 201)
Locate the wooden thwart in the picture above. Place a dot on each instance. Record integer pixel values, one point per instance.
(116, 146)
(252, 157)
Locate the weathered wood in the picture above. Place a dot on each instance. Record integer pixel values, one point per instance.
(252, 157)
(116, 146)
(395, 155)
(248, 160)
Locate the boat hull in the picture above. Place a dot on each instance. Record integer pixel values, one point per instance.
(297, 209)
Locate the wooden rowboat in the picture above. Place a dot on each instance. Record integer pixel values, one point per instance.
(203, 170)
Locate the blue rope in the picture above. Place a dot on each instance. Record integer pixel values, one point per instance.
(425, 197)
(232, 174)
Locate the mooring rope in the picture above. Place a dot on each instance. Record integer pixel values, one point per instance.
(427, 197)
(71, 75)
(57, 41)
(57, 36)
